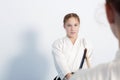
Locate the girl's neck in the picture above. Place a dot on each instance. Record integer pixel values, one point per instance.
(73, 39)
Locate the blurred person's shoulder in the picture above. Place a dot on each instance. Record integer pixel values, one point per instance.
(99, 72)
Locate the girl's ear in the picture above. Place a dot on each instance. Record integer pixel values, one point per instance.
(110, 13)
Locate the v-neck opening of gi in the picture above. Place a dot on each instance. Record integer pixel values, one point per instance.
(71, 41)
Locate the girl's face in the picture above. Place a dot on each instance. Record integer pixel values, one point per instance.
(72, 27)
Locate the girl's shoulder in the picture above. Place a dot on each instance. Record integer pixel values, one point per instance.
(85, 42)
(59, 41)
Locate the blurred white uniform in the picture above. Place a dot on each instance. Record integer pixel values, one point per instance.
(67, 57)
(109, 71)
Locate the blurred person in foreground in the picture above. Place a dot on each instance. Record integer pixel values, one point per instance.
(111, 70)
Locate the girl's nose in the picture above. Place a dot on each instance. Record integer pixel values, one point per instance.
(72, 28)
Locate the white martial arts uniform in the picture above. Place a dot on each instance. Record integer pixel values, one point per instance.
(109, 71)
(67, 57)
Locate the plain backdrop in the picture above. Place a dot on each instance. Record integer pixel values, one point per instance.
(29, 27)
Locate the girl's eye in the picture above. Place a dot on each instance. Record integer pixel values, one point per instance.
(76, 25)
(69, 25)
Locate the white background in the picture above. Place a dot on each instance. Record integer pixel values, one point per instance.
(43, 18)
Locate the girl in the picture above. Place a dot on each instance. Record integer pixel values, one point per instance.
(68, 51)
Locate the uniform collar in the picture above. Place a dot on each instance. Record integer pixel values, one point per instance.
(117, 55)
(71, 41)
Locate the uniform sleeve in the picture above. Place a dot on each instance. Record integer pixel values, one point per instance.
(89, 47)
(100, 72)
(59, 59)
